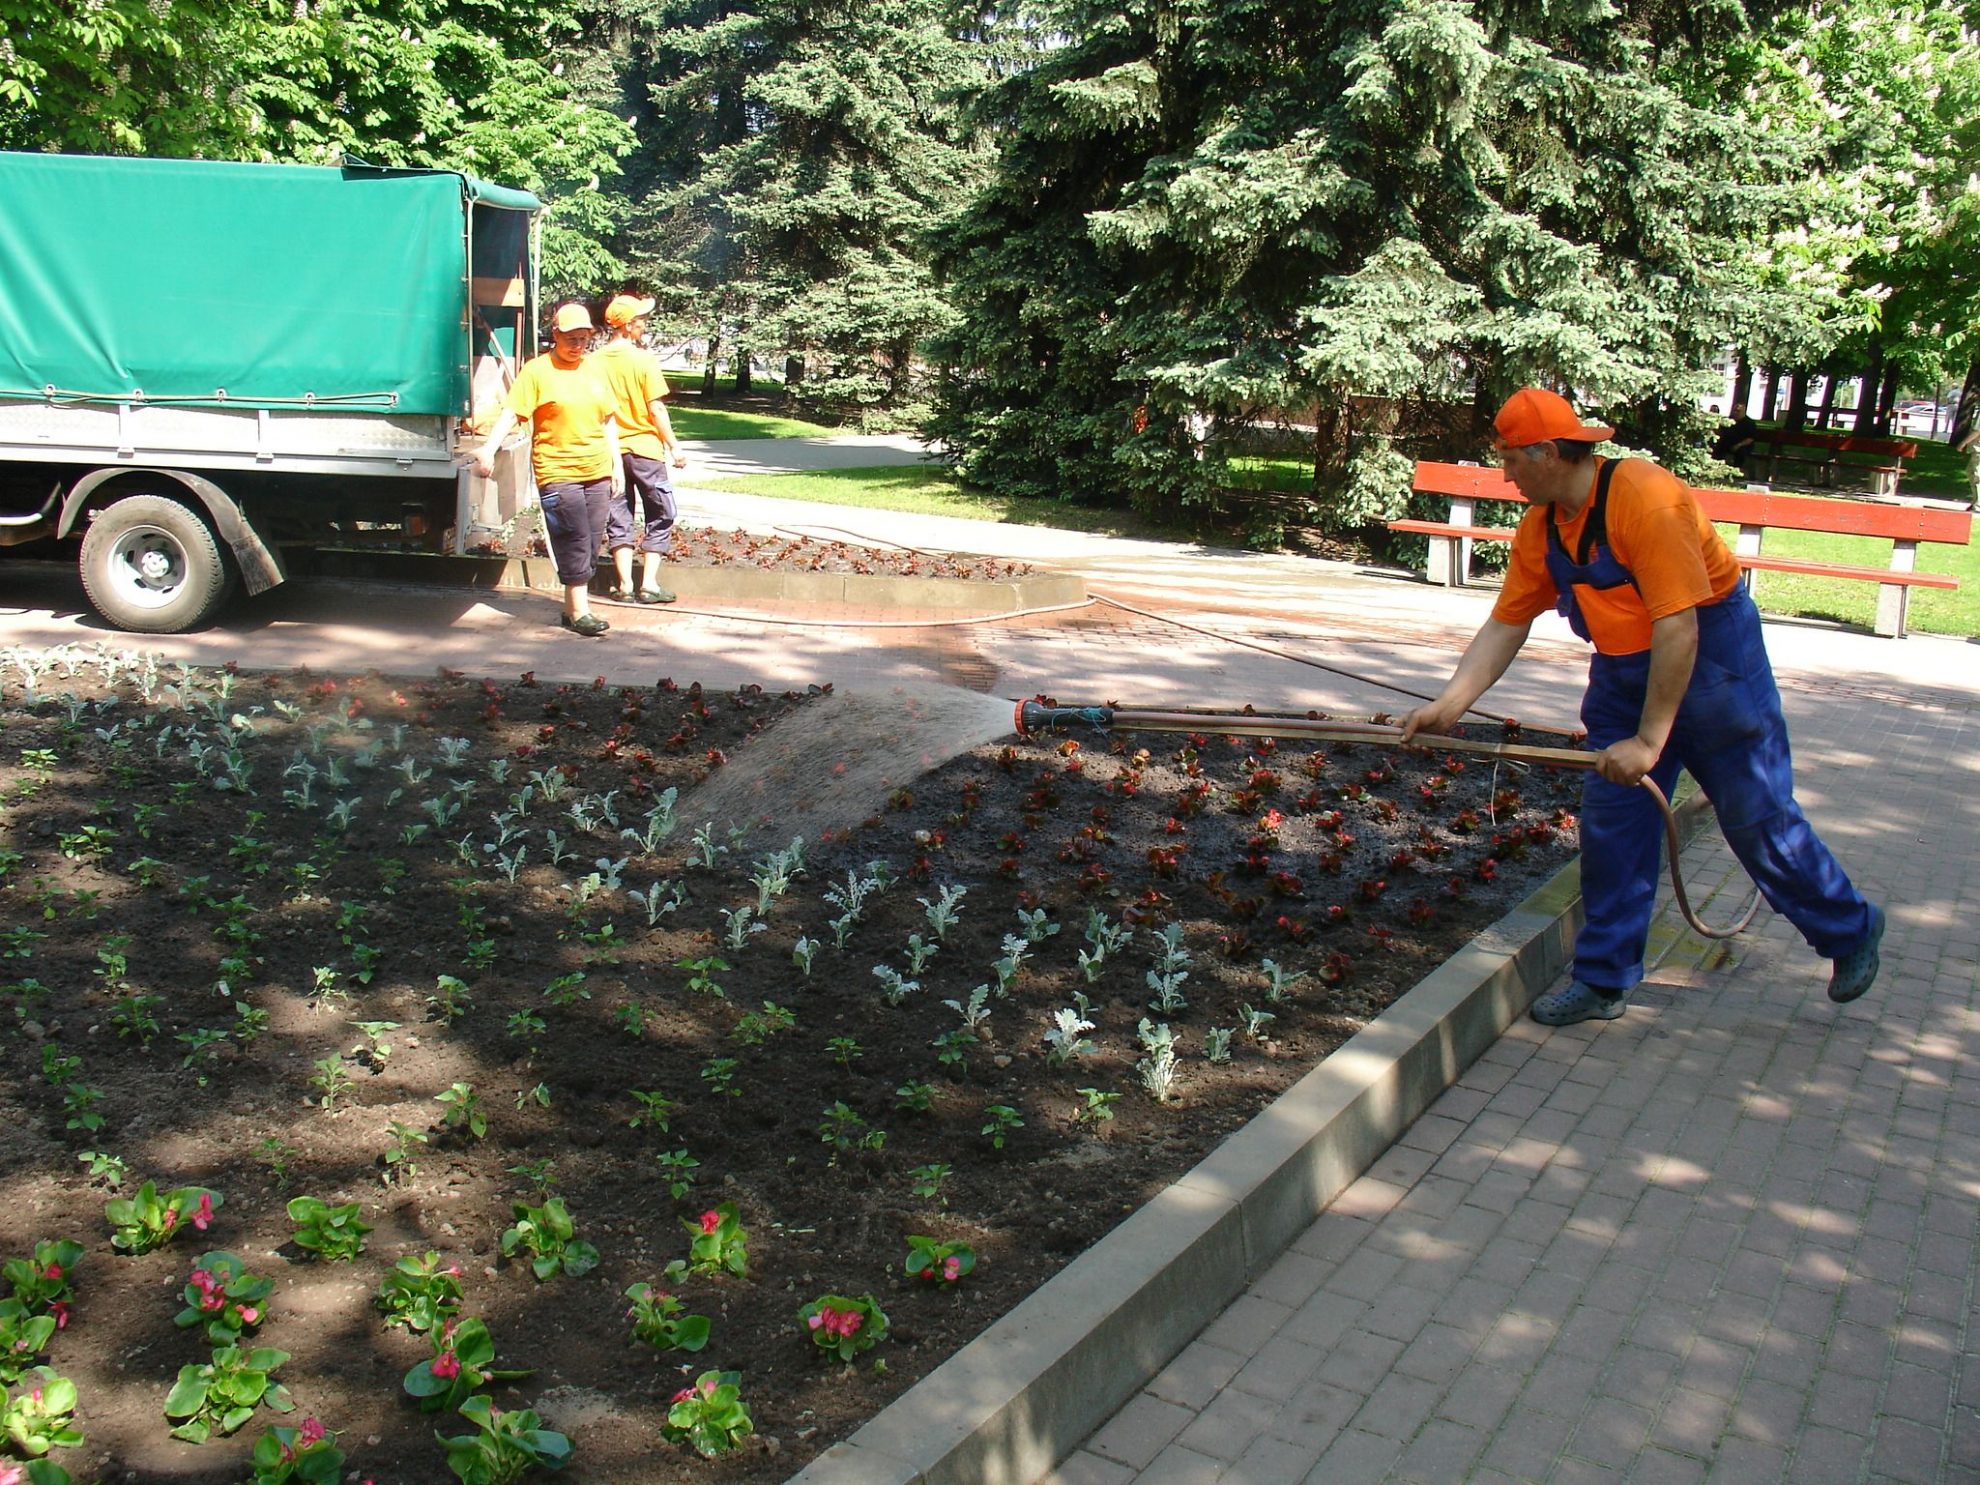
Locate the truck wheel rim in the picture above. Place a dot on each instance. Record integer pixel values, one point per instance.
(148, 566)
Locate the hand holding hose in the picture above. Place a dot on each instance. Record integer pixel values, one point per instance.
(1627, 761)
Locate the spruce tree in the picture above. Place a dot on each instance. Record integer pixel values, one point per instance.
(794, 157)
(1214, 213)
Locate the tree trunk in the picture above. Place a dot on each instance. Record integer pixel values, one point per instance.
(708, 370)
(1742, 386)
(1332, 422)
(1966, 416)
(1796, 415)
(1866, 394)
(742, 371)
(1887, 400)
(793, 373)
(1830, 380)
(1769, 388)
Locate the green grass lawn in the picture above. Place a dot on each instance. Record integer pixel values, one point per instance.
(1933, 611)
(710, 423)
(928, 490)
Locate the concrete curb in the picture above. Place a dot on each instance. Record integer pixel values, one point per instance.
(722, 584)
(1023, 1395)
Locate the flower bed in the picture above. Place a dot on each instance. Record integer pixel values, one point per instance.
(417, 1041)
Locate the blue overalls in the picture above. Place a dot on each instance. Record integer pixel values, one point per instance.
(1730, 734)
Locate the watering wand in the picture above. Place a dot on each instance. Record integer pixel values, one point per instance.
(1033, 717)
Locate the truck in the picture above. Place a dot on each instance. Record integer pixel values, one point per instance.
(208, 369)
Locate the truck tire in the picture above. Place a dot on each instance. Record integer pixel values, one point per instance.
(150, 565)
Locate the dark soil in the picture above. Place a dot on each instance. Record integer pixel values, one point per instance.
(124, 859)
(709, 548)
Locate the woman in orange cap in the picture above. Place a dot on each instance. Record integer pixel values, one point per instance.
(1679, 678)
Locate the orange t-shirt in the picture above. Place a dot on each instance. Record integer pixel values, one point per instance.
(633, 375)
(566, 408)
(1656, 530)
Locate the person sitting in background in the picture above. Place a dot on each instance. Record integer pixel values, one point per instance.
(1735, 440)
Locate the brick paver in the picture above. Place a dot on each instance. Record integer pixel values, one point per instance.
(1730, 1237)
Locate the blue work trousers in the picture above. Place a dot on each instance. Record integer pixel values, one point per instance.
(1731, 736)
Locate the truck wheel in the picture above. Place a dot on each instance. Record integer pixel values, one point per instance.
(150, 565)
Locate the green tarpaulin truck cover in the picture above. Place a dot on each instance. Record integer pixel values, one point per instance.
(256, 285)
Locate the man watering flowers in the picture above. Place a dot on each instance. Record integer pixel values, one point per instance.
(1679, 678)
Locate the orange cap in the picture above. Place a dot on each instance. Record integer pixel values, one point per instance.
(572, 317)
(625, 308)
(1534, 415)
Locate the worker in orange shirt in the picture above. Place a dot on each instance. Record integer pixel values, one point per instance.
(574, 451)
(647, 445)
(1679, 678)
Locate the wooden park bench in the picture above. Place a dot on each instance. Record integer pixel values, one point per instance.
(1754, 512)
(1831, 457)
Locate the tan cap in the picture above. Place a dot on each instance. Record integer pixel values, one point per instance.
(572, 317)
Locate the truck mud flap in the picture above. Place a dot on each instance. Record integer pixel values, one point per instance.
(260, 566)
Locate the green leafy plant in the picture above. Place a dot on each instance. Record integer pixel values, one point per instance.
(1000, 1120)
(656, 1111)
(546, 1233)
(39, 1415)
(677, 1169)
(224, 1297)
(331, 1080)
(720, 1244)
(297, 1456)
(105, 1167)
(24, 1336)
(843, 1326)
(1098, 1108)
(42, 1282)
(702, 972)
(463, 1110)
(451, 999)
(929, 1181)
(222, 1394)
(145, 1220)
(504, 1446)
(938, 1262)
(462, 1363)
(327, 1231)
(710, 1417)
(418, 1293)
(399, 1157)
(662, 1321)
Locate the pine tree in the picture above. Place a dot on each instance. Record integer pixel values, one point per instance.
(794, 155)
(1214, 213)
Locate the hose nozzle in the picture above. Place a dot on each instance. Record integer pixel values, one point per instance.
(1033, 717)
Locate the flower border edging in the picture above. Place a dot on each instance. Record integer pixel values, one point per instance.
(1023, 1395)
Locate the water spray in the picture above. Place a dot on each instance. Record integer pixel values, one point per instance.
(1033, 717)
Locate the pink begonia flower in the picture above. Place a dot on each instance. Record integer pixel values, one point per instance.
(710, 1221)
(446, 1365)
(204, 1214)
(815, 1321)
(951, 1268)
(11, 1474)
(61, 1313)
(248, 1314)
(171, 1218)
(682, 1396)
(53, 1271)
(311, 1432)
